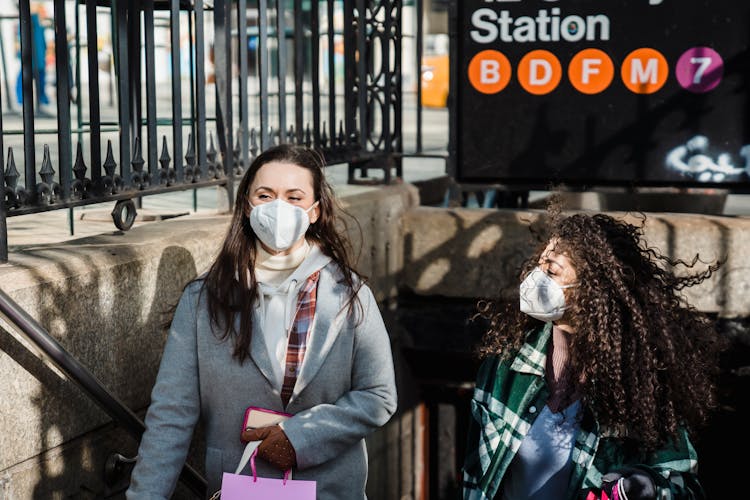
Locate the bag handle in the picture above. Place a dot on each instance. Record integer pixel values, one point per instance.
(248, 454)
(251, 450)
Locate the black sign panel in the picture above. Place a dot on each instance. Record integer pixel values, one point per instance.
(586, 92)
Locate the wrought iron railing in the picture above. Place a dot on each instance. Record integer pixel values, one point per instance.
(326, 74)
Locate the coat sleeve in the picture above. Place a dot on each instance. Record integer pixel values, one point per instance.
(174, 409)
(482, 438)
(674, 470)
(368, 405)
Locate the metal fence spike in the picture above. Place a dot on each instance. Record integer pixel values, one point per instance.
(137, 160)
(110, 164)
(164, 158)
(11, 172)
(79, 167)
(46, 172)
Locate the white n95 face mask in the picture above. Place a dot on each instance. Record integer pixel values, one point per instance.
(279, 224)
(542, 297)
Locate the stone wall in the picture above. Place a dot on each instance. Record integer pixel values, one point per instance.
(466, 253)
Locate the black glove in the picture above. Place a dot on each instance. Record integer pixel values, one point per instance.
(274, 448)
(635, 483)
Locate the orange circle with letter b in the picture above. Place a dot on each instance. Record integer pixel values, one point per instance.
(489, 71)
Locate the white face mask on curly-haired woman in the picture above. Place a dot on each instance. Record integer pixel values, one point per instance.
(542, 297)
(542, 292)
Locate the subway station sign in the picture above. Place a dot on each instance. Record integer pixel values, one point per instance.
(586, 92)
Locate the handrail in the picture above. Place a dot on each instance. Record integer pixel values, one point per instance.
(55, 353)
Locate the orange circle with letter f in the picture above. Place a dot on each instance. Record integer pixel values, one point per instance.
(591, 71)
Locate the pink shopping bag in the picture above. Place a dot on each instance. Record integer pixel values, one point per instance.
(239, 487)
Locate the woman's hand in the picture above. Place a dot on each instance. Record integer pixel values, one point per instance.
(629, 483)
(274, 448)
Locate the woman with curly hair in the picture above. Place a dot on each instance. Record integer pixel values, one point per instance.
(592, 388)
(280, 324)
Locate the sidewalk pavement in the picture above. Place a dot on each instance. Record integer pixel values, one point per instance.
(53, 227)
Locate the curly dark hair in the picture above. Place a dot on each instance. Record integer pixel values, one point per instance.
(227, 295)
(646, 360)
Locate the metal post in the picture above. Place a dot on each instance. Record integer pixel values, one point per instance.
(350, 73)
(263, 72)
(62, 63)
(281, 58)
(29, 160)
(123, 89)
(200, 88)
(174, 22)
(242, 52)
(94, 114)
(331, 76)
(362, 88)
(299, 71)
(315, 47)
(387, 99)
(151, 116)
(450, 167)
(223, 68)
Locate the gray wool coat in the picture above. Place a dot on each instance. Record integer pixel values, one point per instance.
(345, 390)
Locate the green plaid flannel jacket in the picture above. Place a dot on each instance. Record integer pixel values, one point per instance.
(508, 397)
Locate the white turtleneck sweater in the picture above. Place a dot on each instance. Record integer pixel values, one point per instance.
(280, 278)
(274, 269)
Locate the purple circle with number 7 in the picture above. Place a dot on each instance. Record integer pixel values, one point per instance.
(699, 69)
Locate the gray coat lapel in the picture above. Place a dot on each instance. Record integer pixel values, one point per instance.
(329, 317)
(259, 352)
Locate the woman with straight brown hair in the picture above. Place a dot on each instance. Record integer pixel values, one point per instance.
(281, 323)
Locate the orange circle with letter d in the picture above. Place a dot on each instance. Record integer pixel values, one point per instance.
(489, 71)
(539, 72)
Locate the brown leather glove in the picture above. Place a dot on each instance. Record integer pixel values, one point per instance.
(274, 448)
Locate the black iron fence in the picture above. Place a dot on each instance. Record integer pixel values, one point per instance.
(189, 93)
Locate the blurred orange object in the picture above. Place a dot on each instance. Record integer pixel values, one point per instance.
(435, 81)
(435, 70)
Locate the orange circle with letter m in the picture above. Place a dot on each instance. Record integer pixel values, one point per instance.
(644, 71)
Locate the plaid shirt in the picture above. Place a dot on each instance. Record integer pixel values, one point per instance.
(297, 344)
(508, 397)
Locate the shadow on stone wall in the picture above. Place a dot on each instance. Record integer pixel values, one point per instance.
(74, 435)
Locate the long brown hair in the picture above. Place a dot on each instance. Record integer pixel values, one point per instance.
(230, 283)
(646, 359)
